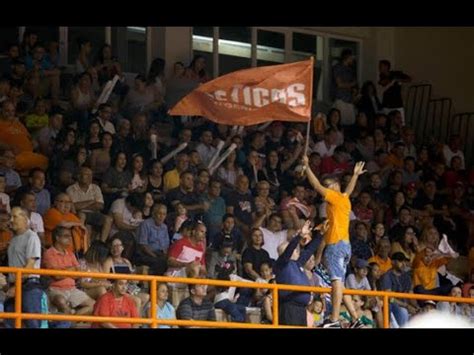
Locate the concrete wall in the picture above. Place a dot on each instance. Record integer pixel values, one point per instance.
(442, 56)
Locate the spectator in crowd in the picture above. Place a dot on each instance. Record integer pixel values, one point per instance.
(398, 280)
(155, 180)
(106, 65)
(196, 306)
(254, 256)
(116, 263)
(408, 245)
(88, 202)
(358, 280)
(83, 100)
(116, 303)
(390, 86)
(47, 135)
(24, 251)
(61, 215)
(228, 232)
(381, 257)
(82, 62)
(62, 291)
(28, 203)
(4, 198)
(197, 70)
(7, 164)
(143, 97)
(93, 261)
(154, 241)
(172, 177)
(103, 117)
(453, 149)
(186, 257)
(15, 134)
(292, 257)
(139, 180)
(37, 181)
(344, 81)
(116, 181)
(126, 213)
(326, 147)
(241, 204)
(451, 307)
(164, 309)
(217, 208)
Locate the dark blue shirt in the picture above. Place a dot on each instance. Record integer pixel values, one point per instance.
(291, 272)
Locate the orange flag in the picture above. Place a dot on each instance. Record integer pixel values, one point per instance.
(252, 96)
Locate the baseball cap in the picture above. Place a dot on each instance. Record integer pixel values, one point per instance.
(399, 257)
(361, 263)
(411, 186)
(429, 302)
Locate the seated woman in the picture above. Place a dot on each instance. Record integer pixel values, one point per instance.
(117, 264)
(164, 309)
(61, 214)
(92, 140)
(116, 181)
(14, 134)
(38, 118)
(93, 261)
(139, 178)
(155, 181)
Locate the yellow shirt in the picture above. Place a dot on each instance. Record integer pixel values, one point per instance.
(384, 265)
(171, 180)
(426, 275)
(338, 210)
(35, 122)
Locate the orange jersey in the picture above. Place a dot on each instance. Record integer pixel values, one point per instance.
(338, 210)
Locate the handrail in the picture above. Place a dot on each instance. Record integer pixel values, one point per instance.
(154, 280)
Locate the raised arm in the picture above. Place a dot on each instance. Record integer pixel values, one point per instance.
(358, 170)
(313, 180)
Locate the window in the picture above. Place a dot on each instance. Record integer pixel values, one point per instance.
(270, 48)
(8, 35)
(235, 49)
(129, 46)
(94, 34)
(306, 46)
(203, 44)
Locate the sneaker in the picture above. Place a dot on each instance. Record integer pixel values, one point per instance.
(330, 324)
(357, 324)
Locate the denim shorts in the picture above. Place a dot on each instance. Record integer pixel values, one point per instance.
(336, 258)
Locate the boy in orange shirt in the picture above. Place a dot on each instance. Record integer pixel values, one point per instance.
(336, 245)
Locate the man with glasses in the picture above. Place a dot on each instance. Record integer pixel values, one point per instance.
(63, 291)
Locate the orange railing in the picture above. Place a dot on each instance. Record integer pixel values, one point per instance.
(154, 280)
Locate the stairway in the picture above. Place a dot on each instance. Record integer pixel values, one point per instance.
(434, 119)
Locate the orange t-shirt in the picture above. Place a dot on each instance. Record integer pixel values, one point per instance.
(5, 237)
(15, 135)
(55, 260)
(109, 306)
(51, 220)
(384, 265)
(338, 210)
(426, 275)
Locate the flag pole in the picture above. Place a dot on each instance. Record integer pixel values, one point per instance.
(310, 108)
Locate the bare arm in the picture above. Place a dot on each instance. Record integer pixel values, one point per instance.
(248, 267)
(118, 220)
(312, 178)
(358, 170)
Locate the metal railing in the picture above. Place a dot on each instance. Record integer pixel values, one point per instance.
(463, 124)
(438, 117)
(18, 315)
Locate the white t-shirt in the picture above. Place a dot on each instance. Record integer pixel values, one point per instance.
(352, 283)
(5, 201)
(449, 154)
(120, 207)
(36, 222)
(271, 241)
(323, 150)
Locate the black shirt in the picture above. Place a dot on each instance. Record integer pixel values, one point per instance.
(243, 204)
(256, 257)
(392, 97)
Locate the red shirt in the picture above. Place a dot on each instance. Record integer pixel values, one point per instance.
(109, 306)
(330, 166)
(185, 251)
(56, 260)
